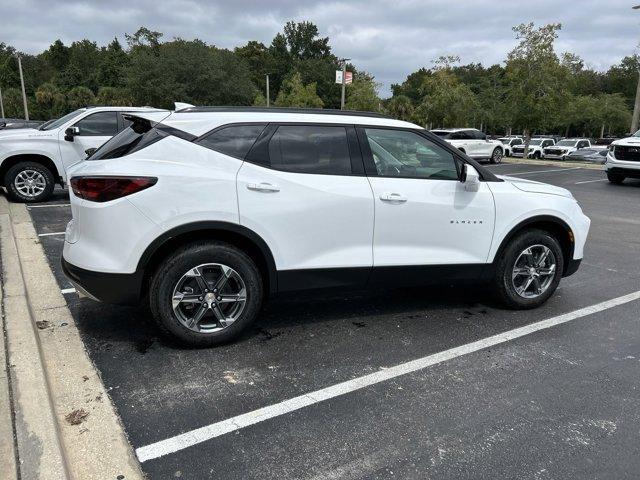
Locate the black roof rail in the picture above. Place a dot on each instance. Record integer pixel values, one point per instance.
(314, 111)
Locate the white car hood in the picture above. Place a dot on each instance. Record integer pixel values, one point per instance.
(536, 187)
(629, 141)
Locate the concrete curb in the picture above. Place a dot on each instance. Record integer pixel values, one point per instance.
(93, 442)
(553, 163)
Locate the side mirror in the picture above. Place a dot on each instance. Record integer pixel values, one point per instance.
(470, 177)
(90, 151)
(71, 132)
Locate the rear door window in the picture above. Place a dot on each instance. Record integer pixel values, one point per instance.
(312, 149)
(234, 140)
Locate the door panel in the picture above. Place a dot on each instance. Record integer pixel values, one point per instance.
(440, 223)
(309, 221)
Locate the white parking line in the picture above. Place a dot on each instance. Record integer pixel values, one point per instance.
(592, 181)
(68, 290)
(51, 205)
(50, 234)
(544, 171)
(199, 435)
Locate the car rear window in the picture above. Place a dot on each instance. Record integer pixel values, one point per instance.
(233, 140)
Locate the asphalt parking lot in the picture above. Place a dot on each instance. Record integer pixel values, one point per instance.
(562, 402)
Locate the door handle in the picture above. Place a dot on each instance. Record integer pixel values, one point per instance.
(393, 198)
(262, 187)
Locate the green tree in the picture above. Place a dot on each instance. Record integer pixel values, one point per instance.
(362, 94)
(113, 96)
(535, 80)
(113, 62)
(260, 100)
(295, 94)
(51, 101)
(400, 107)
(13, 106)
(79, 97)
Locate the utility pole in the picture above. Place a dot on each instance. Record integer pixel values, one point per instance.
(24, 95)
(1, 105)
(344, 79)
(267, 90)
(636, 105)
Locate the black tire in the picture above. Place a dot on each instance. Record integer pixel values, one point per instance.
(503, 283)
(25, 167)
(496, 156)
(536, 155)
(615, 178)
(181, 261)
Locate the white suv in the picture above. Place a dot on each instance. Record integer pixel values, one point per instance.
(623, 159)
(564, 147)
(33, 161)
(536, 147)
(209, 210)
(473, 142)
(510, 142)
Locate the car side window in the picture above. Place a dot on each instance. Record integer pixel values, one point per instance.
(478, 135)
(311, 149)
(582, 144)
(234, 140)
(400, 153)
(100, 124)
(517, 141)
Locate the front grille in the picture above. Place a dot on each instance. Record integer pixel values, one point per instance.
(627, 153)
(552, 151)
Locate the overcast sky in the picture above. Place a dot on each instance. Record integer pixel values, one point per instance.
(389, 39)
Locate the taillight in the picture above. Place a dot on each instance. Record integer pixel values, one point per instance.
(103, 189)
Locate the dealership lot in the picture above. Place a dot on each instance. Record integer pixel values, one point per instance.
(561, 402)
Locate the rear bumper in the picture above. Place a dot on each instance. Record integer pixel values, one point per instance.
(119, 288)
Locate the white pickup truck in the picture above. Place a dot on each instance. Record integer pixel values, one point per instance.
(623, 159)
(564, 147)
(32, 161)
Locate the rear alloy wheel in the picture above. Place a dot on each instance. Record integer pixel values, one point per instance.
(496, 156)
(29, 182)
(206, 294)
(529, 270)
(615, 178)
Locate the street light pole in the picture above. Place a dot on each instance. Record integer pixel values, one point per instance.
(636, 105)
(1, 104)
(267, 89)
(24, 95)
(344, 79)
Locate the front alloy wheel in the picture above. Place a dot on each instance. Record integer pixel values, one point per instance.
(533, 271)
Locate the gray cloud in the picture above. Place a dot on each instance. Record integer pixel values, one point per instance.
(386, 38)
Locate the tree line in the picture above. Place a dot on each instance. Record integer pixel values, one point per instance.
(535, 90)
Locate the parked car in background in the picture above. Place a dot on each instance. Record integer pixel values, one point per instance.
(605, 141)
(595, 155)
(536, 146)
(623, 159)
(510, 142)
(216, 208)
(472, 142)
(564, 147)
(33, 161)
(15, 123)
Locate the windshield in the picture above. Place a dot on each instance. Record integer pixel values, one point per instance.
(535, 142)
(637, 134)
(62, 120)
(566, 143)
(440, 133)
(505, 140)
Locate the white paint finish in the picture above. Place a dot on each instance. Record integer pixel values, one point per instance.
(313, 221)
(50, 234)
(68, 290)
(514, 205)
(419, 231)
(194, 437)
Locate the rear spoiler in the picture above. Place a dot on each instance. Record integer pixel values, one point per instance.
(182, 105)
(142, 123)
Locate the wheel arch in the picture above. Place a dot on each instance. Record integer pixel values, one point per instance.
(44, 160)
(554, 225)
(245, 239)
